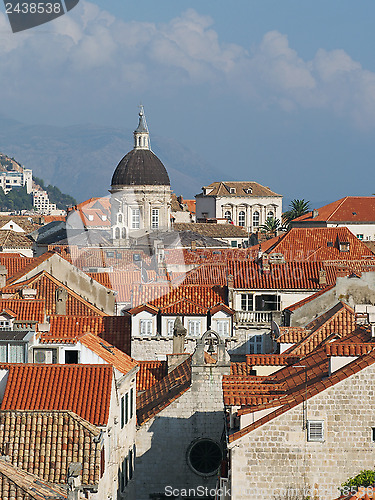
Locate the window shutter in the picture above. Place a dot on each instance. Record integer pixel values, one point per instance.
(315, 430)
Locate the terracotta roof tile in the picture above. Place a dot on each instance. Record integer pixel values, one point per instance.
(291, 275)
(292, 334)
(242, 189)
(150, 372)
(46, 442)
(348, 209)
(46, 287)
(321, 244)
(113, 356)
(14, 262)
(164, 392)
(19, 484)
(162, 296)
(116, 330)
(25, 310)
(83, 389)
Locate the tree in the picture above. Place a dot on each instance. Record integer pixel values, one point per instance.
(296, 209)
(271, 225)
(365, 478)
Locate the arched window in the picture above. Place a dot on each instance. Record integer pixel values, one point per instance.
(270, 214)
(256, 219)
(228, 215)
(241, 218)
(119, 218)
(117, 233)
(124, 232)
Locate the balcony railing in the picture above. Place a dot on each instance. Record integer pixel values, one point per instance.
(255, 317)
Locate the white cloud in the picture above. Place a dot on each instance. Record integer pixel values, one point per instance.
(96, 51)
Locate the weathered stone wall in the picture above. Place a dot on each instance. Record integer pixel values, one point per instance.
(277, 455)
(163, 442)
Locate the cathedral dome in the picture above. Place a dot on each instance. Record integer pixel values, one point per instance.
(140, 167)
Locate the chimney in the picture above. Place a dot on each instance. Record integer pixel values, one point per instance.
(61, 298)
(265, 264)
(74, 480)
(193, 245)
(230, 284)
(179, 334)
(315, 213)
(322, 277)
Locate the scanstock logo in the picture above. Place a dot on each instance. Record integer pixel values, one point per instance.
(28, 14)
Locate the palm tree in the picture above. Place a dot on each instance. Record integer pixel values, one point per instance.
(296, 209)
(271, 225)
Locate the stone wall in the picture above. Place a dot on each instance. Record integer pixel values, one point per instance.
(163, 442)
(277, 456)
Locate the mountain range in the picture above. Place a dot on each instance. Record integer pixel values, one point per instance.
(80, 159)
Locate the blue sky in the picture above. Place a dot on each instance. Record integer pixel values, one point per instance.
(281, 92)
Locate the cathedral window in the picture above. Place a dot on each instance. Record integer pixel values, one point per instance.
(135, 218)
(270, 214)
(256, 219)
(117, 233)
(228, 215)
(123, 232)
(119, 218)
(155, 218)
(241, 218)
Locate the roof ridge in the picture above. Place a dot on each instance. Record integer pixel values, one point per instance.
(338, 206)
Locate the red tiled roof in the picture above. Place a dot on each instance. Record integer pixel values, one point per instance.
(29, 267)
(150, 372)
(46, 442)
(162, 296)
(184, 307)
(247, 189)
(291, 275)
(25, 310)
(83, 389)
(270, 360)
(241, 368)
(46, 287)
(311, 244)
(346, 349)
(291, 334)
(164, 392)
(14, 262)
(23, 485)
(67, 329)
(338, 320)
(113, 356)
(348, 209)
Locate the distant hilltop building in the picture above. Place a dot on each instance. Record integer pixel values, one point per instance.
(246, 203)
(43, 205)
(13, 175)
(140, 190)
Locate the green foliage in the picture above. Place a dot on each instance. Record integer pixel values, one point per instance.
(271, 225)
(55, 195)
(364, 478)
(16, 199)
(296, 209)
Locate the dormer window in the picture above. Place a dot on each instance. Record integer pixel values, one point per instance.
(344, 246)
(232, 190)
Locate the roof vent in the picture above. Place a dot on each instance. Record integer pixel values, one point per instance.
(329, 243)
